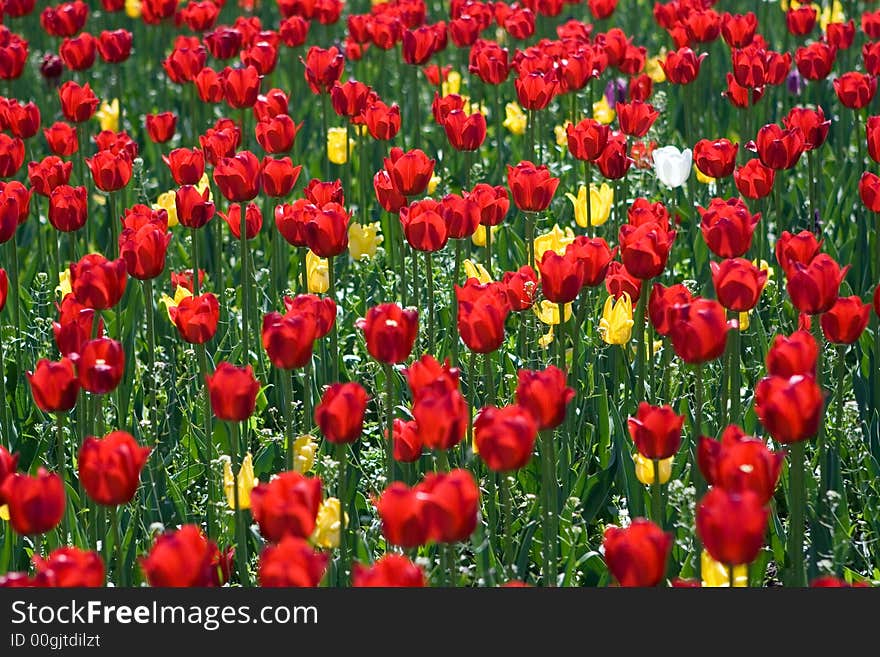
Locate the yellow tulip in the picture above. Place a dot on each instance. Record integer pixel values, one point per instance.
(452, 84)
(744, 321)
(472, 108)
(645, 469)
(515, 119)
(336, 151)
(108, 115)
(548, 312)
(717, 574)
(327, 526)
(432, 183)
(318, 271)
(203, 184)
(547, 339)
(655, 70)
(363, 240)
(554, 240)
(166, 201)
(246, 482)
(831, 14)
(4, 512)
(304, 449)
(702, 177)
(479, 236)
(561, 134)
(180, 294)
(601, 202)
(476, 270)
(133, 8)
(64, 287)
(616, 324)
(603, 112)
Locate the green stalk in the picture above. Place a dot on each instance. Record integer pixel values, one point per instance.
(453, 302)
(389, 422)
(119, 567)
(209, 437)
(530, 238)
(549, 484)
(61, 463)
(4, 406)
(241, 550)
(797, 494)
(429, 271)
(15, 285)
(287, 401)
(640, 342)
(307, 397)
(657, 496)
(588, 181)
(323, 139)
(245, 286)
(342, 493)
(735, 359)
(698, 428)
(507, 528)
(334, 331)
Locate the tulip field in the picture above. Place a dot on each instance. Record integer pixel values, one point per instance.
(450, 294)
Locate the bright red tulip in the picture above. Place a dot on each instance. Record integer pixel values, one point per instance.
(183, 558)
(424, 226)
(54, 385)
(196, 317)
(728, 227)
(340, 415)
(143, 250)
(390, 570)
(754, 180)
(716, 159)
(738, 283)
(101, 365)
(532, 186)
(110, 467)
(545, 395)
(110, 171)
(813, 287)
(790, 408)
(846, 320)
(451, 506)
(482, 311)
(97, 282)
(637, 555)
(289, 339)
(812, 124)
(233, 392)
(779, 148)
(587, 139)
(238, 177)
(505, 437)
(390, 332)
(698, 330)
(71, 567)
(78, 104)
(36, 504)
(732, 525)
(739, 463)
(661, 303)
(409, 171)
(291, 562)
(286, 506)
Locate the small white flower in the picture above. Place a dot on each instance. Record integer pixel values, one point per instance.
(672, 166)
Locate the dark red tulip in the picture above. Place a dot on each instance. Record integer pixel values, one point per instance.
(739, 463)
(698, 330)
(790, 408)
(101, 365)
(407, 441)
(97, 282)
(613, 161)
(732, 525)
(340, 415)
(71, 567)
(323, 68)
(441, 413)
(812, 124)
(738, 283)
(194, 209)
(187, 165)
(160, 127)
(233, 391)
(286, 506)
(813, 287)
(637, 555)
(110, 467)
(779, 148)
(869, 191)
(110, 171)
(291, 562)
(545, 395)
(382, 121)
(22, 119)
(276, 134)
(54, 385)
(143, 250)
(855, 90)
(78, 52)
(238, 177)
(660, 303)
(419, 44)
(410, 171)
(36, 504)
(846, 320)
(505, 437)
(78, 104)
(619, 281)
(424, 226)
(656, 431)
(196, 317)
(289, 339)
(489, 61)
(74, 326)
(587, 139)
(11, 155)
(402, 511)
(326, 232)
(47, 174)
(816, 60)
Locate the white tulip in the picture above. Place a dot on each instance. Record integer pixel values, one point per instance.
(672, 166)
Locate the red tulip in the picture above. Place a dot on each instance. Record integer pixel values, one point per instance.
(869, 191)
(322, 192)
(738, 30)
(493, 202)
(238, 177)
(110, 467)
(739, 463)
(322, 309)
(186, 165)
(561, 276)
(661, 302)
(846, 320)
(532, 186)
(855, 90)
(23, 120)
(613, 161)
(390, 332)
(754, 180)
(637, 555)
(233, 392)
(288, 340)
(54, 385)
(800, 248)
(390, 570)
(421, 43)
(728, 227)
(101, 365)
(196, 317)
(587, 139)
(340, 415)
(183, 558)
(812, 124)
(738, 283)
(194, 210)
(241, 86)
(71, 567)
(441, 413)
(253, 220)
(97, 282)
(276, 134)
(732, 525)
(789, 408)
(656, 431)
(36, 504)
(8, 466)
(840, 35)
(466, 132)
(482, 311)
(816, 60)
(545, 395)
(286, 506)
(350, 98)
(535, 89)
(407, 444)
(636, 118)
(813, 287)
(698, 330)
(185, 61)
(877, 301)
(424, 226)
(382, 121)
(110, 171)
(801, 21)
(461, 214)
(409, 171)
(143, 250)
(48, 174)
(402, 511)
(792, 356)
(291, 562)
(11, 155)
(451, 506)
(619, 281)
(715, 159)
(327, 230)
(78, 104)
(505, 437)
(682, 66)
(323, 68)
(160, 127)
(427, 374)
(778, 148)
(489, 61)
(4, 288)
(74, 327)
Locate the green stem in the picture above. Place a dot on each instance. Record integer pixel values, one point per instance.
(245, 287)
(334, 332)
(657, 496)
(429, 271)
(797, 494)
(4, 406)
(307, 397)
(588, 182)
(195, 263)
(119, 567)
(241, 549)
(549, 484)
(389, 422)
(735, 359)
(342, 493)
(640, 342)
(209, 437)
(287, 402)
(62, 470)
(453, 302)
(507, 529)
